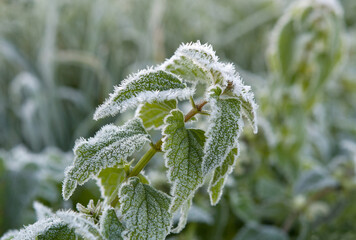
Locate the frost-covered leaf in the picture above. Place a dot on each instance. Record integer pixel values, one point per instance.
(197, 62)
(183, 153)
(192, 62)
(81, 225)
(9, 235)
(42, 211)
(255, 231)
(183, 216)
(220, 176)
(223, 131)
(30, 232)
(144, 86)
(61, 225)
(110, 226)
(56, 232)
(249, 106)
(109, 180)
(152, 114)
(144, 210)
(109, 147)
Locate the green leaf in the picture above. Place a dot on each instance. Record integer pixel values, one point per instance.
(81, 225)
(220, 176)
(144, 210)
(223, 131)
(110, 226)
(255, 231)
(191, 62)
(61, 225)
(9, 235)
(183, 216)
(58, 232)
(183, 153)
(109, 147)
(152, 114)
(109, 180)
(145, 86)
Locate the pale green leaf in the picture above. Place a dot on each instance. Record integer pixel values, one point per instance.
(152, 114)
(183, 153)
(223, 131)
(109, 147)
(145, 86)
(220, 176)
(109, 180)
(110, 226)
(144, 210)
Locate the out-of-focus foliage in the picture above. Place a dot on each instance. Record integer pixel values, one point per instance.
(296, 178)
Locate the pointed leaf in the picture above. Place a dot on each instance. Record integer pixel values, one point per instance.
(183, 216)
(220, 176)
(145, 211)
(109, 147)
(145, 86)
(223, 131)
(152, 114)
(183, 153)
(110, 226)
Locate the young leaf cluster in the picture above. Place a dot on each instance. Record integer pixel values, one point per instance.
(133, 209)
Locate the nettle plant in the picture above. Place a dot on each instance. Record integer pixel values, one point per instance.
(132, 208)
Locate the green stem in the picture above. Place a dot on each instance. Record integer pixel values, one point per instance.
(145, 159)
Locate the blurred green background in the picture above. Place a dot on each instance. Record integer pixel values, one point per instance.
(296, 179)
